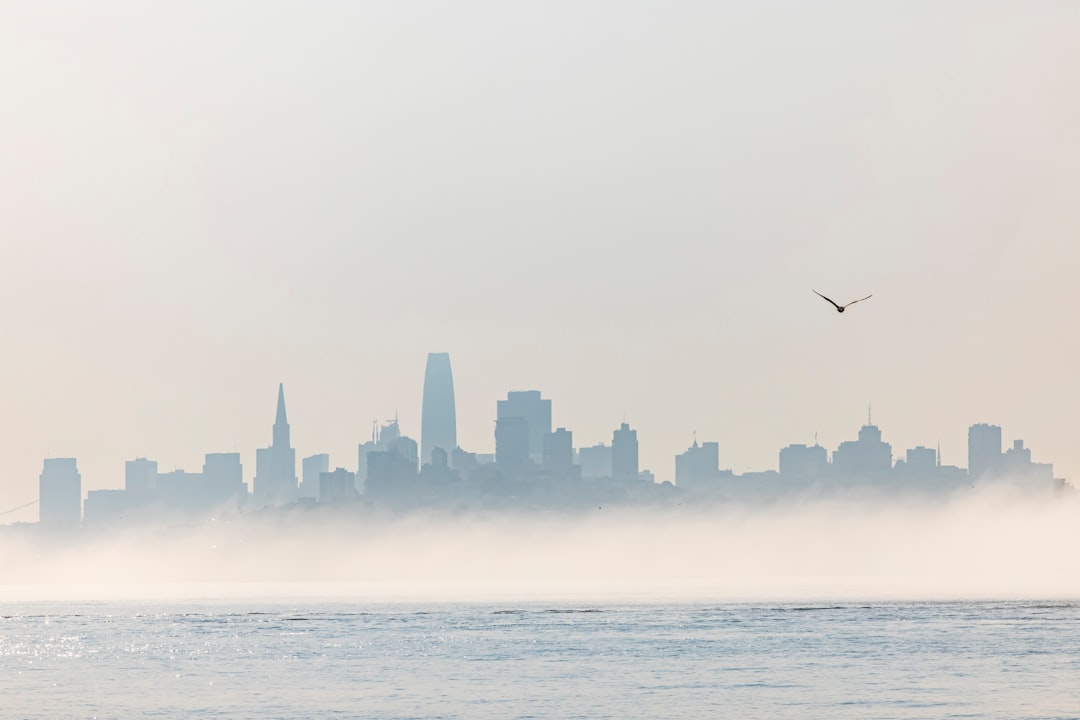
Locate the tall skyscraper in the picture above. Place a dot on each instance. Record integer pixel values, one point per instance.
(624, 454)
(60, 494)
(438, 421)
(984, 450)
(536, 412)
(275, 466)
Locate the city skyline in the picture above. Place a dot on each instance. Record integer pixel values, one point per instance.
(629, 211)
(379, 359)
(540, 461)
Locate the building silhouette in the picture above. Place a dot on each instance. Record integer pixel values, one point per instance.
(921, 461)
(804, 464)
(984, 450)
(512, 436)
(406, 447)
(381, 437)
(595, 461)
(698, 467)
(1016, 467)
(624, 455)
(311, 469)
(558, 452)
(60, 494)
(535, 411)
(200, 494)
(867, 459)
(438, 419)
(437, 473)
(110, 508)
(275, 466)
(532, 467)
(337, 486)
(392, 473)
(223, 474)
(140, 475)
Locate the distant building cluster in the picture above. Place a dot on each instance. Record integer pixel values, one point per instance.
(534, 466)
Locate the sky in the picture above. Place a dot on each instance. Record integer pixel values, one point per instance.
(625, 205)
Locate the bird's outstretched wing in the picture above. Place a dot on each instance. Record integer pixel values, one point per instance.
(855, 301)
(830, 301)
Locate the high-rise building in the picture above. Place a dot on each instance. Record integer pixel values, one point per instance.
(868, 459)
(275, 466)
(595, 461)
(984, 450)
(183, 493)
(392, 473)
(921, 461)
(140, 475)
(438, 420)
(802, 463)
(1017, 467)
(336, 486)
(624, 454)
(559, 451)
(406, 448)
(223, 474)
(381, 437)
(512, 441)
(699, 467)
(536, 412)
(60, 494)
(311, 468)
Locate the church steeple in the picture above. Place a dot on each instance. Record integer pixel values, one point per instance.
(281, 422)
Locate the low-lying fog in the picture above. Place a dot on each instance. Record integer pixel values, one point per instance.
(986, 544)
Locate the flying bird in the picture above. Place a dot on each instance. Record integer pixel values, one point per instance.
(840, 308)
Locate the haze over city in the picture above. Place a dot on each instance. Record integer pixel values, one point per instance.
(624, 208)
(599, 359)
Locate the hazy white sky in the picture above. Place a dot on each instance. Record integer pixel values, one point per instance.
(624, 205)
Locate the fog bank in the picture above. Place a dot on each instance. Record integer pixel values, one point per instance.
(988, 544)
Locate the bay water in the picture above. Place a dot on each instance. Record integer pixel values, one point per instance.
(337, 658)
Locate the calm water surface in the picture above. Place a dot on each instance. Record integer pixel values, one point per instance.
(554, 660)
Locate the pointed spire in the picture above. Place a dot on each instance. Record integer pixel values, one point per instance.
(280, 418)
(281, 423)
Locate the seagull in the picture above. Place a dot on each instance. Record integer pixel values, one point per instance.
(840, 308)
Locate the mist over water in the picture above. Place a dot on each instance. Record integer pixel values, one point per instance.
(988, 543)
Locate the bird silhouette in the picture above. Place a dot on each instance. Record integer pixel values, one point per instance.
(840, 308)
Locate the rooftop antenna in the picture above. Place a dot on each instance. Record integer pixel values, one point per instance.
(815, 438)
(869, 416)
(939, 452)
(695, 438)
